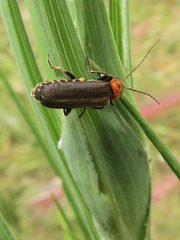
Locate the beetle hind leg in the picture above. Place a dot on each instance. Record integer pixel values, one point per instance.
(61, 69)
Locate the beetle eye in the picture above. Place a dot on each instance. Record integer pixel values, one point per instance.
(118, 85)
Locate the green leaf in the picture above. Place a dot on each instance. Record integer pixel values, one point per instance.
(5, 232)
(104, 166)
(106, 158)
(120, 22)
(64, 221)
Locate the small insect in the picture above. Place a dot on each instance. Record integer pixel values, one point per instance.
(79, 93)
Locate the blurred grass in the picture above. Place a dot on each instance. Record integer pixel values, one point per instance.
(149, 22)
(152, 20)
(159, 75)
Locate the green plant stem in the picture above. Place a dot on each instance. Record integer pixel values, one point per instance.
(155, 139)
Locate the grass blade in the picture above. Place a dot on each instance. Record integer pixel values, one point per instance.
(103, 165)
(87, 155)
(64, 221)
(120, 22)
(5, 232)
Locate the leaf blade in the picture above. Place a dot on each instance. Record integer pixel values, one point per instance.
(5, 231)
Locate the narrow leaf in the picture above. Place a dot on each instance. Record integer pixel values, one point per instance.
(5, 232)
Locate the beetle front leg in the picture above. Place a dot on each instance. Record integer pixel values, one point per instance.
(105, 77)
(91, 71)
(111, 102)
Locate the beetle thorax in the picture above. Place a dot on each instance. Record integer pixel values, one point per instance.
(117, 87)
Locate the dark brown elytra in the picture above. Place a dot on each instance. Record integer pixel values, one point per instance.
(79, 93)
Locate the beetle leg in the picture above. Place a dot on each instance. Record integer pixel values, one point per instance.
(90, 70)
(61, 69)
(82, 113)
(98, 107)
(67, 111)
(111, 102)
(106, 78)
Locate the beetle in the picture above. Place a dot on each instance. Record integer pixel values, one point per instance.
(79, 93)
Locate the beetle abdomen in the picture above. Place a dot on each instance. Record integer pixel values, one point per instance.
(73, 94)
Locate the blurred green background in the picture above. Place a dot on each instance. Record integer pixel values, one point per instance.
(26, 179)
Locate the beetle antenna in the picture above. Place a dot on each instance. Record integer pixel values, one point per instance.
(142, 93)
(141, 60)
